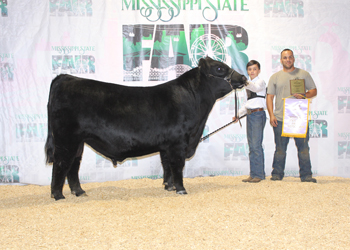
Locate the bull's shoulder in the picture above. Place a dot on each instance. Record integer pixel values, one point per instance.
(190, 78)
(65, 77)
(65, 81)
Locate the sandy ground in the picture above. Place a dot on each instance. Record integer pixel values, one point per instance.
(218, 213)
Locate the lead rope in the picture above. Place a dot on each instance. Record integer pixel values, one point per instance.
(236, 109)
(236, 115)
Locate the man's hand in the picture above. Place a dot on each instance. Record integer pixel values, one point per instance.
(299, 96)
(311, 93)
(269, 104)
(234, 119)
(273, 121)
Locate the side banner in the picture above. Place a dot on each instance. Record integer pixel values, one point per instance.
(295, 117)
(146, 43)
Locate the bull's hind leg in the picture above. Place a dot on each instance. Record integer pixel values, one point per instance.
(59, 172)
(168, 179)
(63, 159)
(73, 174)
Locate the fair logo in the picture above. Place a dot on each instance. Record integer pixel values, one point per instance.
(343, 149)
(215, 172)
(284, 8)
(295, 172)
(31, 127)
(73, 60)
(154, 176)
(164, 52)
(344, 145)
(228, 104)
(344, 90)
(85, 177)
(236, 151)
(344, 104)
(318, 126)
(236, 137)
(318, 129)
(9, 170)
(344, 100)
(3, 8)
(166, 11)
(205, 133)
(70, 8)
(7, 67)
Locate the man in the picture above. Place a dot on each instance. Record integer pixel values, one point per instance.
(279, 86)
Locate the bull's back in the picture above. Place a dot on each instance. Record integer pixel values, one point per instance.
(85, 97)
(115, 118)
(90, 98)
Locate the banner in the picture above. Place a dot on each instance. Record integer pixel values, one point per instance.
(146, 43)
(295, 117)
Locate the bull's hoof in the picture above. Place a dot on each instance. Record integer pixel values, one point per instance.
(58, 197)
(169, 188)
(181, 192)
(79, 193)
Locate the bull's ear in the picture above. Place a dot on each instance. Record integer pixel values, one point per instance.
(203, 64)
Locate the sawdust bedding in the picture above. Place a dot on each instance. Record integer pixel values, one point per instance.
(218, 213)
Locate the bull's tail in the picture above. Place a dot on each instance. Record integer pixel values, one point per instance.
(49, 145)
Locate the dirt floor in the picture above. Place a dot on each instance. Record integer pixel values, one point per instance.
(218, 213)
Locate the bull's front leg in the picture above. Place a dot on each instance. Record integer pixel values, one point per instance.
(176, 158)
(168, 178)
(73, 174)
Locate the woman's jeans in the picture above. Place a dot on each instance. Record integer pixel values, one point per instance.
(279, 159)
(255, 132)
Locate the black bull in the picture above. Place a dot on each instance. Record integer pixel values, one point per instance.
(120, 122)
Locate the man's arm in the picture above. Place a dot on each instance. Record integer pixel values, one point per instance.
(311, 93)
(269, 104)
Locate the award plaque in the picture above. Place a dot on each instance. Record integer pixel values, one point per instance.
(297, 86)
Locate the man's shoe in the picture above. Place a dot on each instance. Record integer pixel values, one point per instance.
(309, 179)
(248, 179)
(255, 180)
(275, 178)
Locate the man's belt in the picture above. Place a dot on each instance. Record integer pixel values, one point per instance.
(249, 111)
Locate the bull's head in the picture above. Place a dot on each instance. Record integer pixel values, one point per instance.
(219, 70)
(216, 69)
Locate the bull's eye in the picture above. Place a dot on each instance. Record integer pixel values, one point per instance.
(221, 70)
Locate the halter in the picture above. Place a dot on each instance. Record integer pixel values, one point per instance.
(226, 78)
